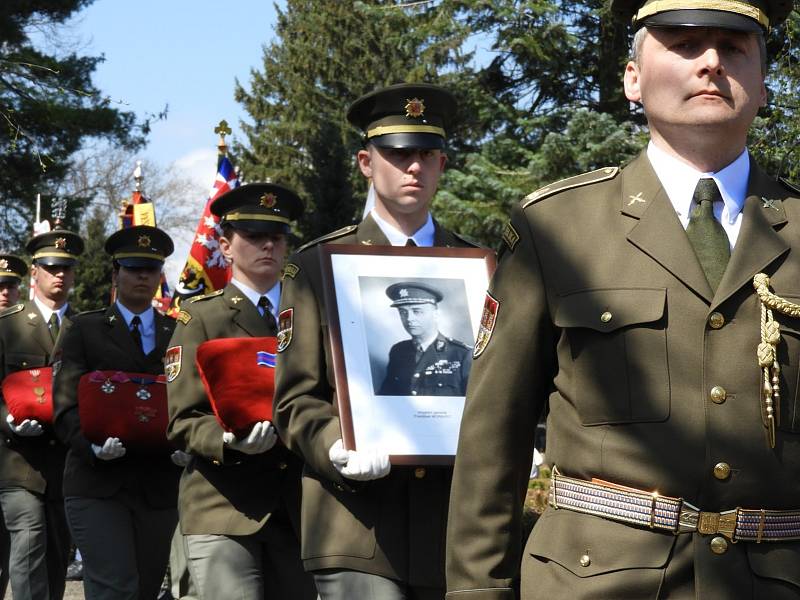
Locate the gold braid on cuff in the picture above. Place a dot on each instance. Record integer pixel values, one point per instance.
(768, 351)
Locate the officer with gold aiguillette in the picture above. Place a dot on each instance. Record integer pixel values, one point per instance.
(668, 359)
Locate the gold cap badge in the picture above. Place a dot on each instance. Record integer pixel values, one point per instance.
(414, 108)
(3, 264)
(61, 243)
(144, 241)
(268, 200)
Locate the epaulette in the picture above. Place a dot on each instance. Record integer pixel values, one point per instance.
(466, 240)
(206, 296)
(569, 183)
(792, 187)
(328, 236)
(459, 343)
(11, 310)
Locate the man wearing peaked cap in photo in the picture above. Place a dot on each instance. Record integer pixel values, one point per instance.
(668, 361)
(430, 363)
(239, 498)
(31, 458)
(12, 270)
(120, 497)
(369, 530)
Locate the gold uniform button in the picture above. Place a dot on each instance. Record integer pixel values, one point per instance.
(719, 545)
(716, 320)
(585, 560)
(215, 462)
(606, 317)
(718, 394)
(722, 470)
(419, 472)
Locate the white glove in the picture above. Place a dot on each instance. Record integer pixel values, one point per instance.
(28, 427)
(180, 458)
(112, 448)
(260, 439)
(360, 465)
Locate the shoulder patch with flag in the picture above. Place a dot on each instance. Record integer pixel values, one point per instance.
(172, 362)
(488, 320)
(285, 325)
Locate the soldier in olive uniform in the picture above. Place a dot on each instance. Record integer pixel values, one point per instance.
(31, 458)
(382, 539)
(661, 358)
(239, 498)
(12, 270)
(121, 503)
(429, 364)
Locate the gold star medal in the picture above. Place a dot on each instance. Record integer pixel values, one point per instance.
(414, 108)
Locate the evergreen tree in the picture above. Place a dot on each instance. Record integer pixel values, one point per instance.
(48, 107)
(93, 274)
(326, 54)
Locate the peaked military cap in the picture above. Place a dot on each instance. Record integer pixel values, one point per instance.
(12, 268)
(741, 15)
(413, 292)
(140, 246)
(407, 115)
(258, 207)
(58, 247)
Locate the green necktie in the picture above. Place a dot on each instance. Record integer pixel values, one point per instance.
(52, 324)
(706, 234)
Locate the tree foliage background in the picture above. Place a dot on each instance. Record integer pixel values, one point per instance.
(49, 108)
(540, 90)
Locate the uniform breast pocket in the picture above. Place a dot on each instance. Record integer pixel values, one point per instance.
(17, 361)
(617, 342)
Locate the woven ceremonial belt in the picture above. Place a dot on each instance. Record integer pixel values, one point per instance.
(650, 509)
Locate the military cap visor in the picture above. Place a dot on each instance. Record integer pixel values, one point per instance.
(412, 292)
(258, 208)
(740, 15)
(140, 246)
(12, 268)
(58, 247)
(404, 116)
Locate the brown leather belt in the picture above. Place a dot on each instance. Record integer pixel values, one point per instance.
(650, 509)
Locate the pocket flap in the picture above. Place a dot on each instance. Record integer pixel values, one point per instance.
(24, 360)
(605, 310)
(775, 560)
(566, 537)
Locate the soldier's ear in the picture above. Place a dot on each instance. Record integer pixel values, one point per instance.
(365, 163)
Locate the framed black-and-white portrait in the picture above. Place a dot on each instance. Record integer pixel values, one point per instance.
(403, 321)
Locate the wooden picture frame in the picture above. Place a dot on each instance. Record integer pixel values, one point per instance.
(400, 382)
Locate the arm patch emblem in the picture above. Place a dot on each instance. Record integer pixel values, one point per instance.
(172, 362)
(510, 236)
(285, 326)
(488, 320)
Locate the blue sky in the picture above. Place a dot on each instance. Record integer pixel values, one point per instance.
(182, 53)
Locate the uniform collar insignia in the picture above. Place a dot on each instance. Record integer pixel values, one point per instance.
(31, 315)
(439, 345)
(770, 203)
(367, 242)
(636, 199)
(112, 318)
(236, 299)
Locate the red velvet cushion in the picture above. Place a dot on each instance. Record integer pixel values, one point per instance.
(129, 406)
(29, 394)
(239, 377)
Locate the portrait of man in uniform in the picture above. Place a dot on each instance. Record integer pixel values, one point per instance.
(429, 363)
